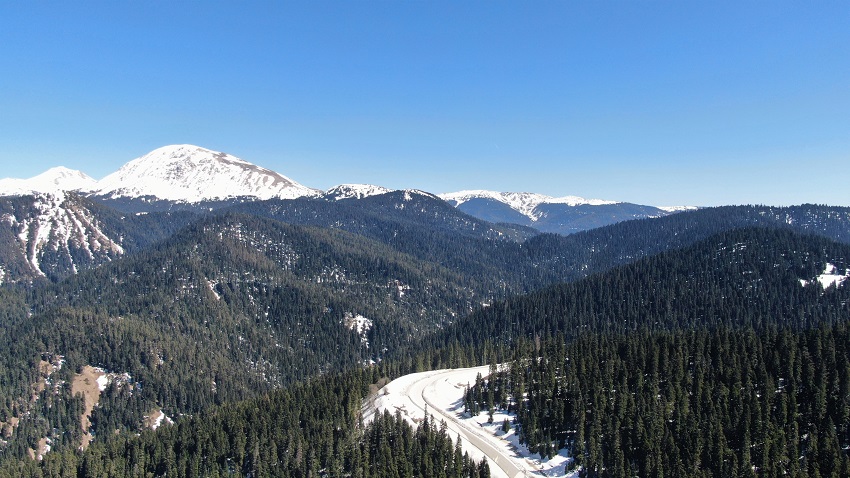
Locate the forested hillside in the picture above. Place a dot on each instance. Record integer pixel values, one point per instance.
(598, 250)
(234, 304)
(53, 237)
(523, 261)
(688, 403)
(231, 307)
(306, 430)
(743, 277)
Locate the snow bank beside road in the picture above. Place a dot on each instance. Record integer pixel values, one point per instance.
(441, 393)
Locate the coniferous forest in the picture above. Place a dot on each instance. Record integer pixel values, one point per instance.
(696, 344)
(718, 402)
(307, 430)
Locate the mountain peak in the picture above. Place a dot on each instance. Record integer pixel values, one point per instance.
(53, 181)
(355, 191)
(189, 173)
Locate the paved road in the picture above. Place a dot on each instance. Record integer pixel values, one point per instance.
(425, 393)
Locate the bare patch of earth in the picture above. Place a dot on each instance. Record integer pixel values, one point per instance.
(153, 418)
(85, 383)
(43, 448)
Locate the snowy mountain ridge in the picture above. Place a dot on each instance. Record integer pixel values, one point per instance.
(53, 181)
(522, 202)
(355, 191)
(192, 174)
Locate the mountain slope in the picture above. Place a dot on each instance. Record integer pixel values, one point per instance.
(564, 215)
(741, 277)
(424, 227)
(354, 191)
(56, 235)
(231, 307)
(52, 236)
(597, 250)
(191, 174)
(53, 181)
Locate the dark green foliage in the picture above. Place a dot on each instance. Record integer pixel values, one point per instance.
(306, 430)
(237, 305)
(724, 402)
(232, 307)
(429, 230)
(743, 277)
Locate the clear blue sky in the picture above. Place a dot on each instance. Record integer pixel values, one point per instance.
(662, 103)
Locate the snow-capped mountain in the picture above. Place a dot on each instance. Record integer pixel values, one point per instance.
(354, 191)
(184, 176)
(562, 215)
(523, 203)
(191, 174)
(53, 181)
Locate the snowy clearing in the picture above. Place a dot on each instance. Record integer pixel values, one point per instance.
(828, 277)
(441, 393)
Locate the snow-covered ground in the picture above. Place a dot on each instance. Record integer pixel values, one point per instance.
(53, 181)
(441, 393)
(829, 277)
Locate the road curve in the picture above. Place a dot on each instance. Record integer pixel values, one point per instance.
(428, 391)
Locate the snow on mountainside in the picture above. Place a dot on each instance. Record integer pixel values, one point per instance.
(677, 208)
(53, 181)
(192, 174)
(355, 191)
(524, 203)
(56, 234)
(560, 215)
(830, 276)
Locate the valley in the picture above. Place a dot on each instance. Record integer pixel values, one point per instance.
(165, 312)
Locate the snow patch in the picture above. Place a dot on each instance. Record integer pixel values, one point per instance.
(399, 286)
(360, 324)
(672, 209)
(156, 419)
(211, 285)
(409, 193)
(102, 381)
(828, 277)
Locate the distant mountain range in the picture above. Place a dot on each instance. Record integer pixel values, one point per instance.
(187, 177)
(564, 215)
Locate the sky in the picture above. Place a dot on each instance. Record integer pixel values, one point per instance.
(651, 102)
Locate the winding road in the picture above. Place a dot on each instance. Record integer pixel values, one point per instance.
(441, 393)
